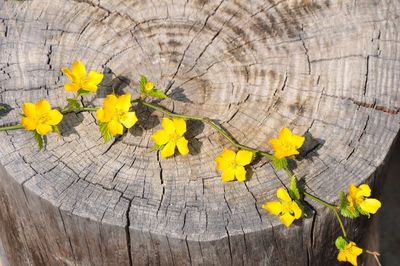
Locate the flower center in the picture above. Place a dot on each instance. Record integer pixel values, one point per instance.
(174, 137)
(286, 208)
(232, 164)
(286, 146)
(43, 119)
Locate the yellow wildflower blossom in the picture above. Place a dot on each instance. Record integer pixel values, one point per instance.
(287, 209)
(80, 79)
(148, 86)
(232, 164)
(115, 113)
(349, 253)
(286, 144)
(358, 200)
(40, 117)
(171, 136)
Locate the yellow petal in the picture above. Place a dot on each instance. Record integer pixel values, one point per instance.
(168, 125)
(109, 103)
(228, 175)
(287, 219)
(29, 109)
(221, 163)
(355, 250)
(341, 256)
(182, 145)
(282, 194)
(28, 123)
(370, 205)
(148, 86)
(296, 210)
(78, 70)
(89, 87)
(168, 150)
(228, 155)
(42, 107)
(100, 115)
(364, 191)
(95, 77)
(161, 137)
(274, 207)
(297, 141)
(275, 143)
(72, 87)
(285, 134)
(280, 154)
(115, 127)
(124, 102)
(352, 259)
(240, 173)
(55, 117)
(129, 119)
(43, 129)
(244, 157)
(353, 191)
(180, 126)
(68, 73)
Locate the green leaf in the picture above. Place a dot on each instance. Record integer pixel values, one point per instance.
(157, 93)
(82, 92)
(158, 147)
(345, 212)
(294, 190)
(2, 107)
(343, 200)
(363, 212)
(344, 207)
(142, 83)
(56, 130)
(73, 104)
(279, 163)
(105, 133)
(341, 243)
(39, 139)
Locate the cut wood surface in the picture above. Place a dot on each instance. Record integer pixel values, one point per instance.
(328, 70)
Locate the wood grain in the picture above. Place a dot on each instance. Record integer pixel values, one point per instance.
(326, 69)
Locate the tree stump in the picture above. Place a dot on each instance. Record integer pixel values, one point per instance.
(328, 70)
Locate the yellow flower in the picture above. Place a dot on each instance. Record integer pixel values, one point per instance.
(359, 201)
(40, 117)
(287, 209)
(115, 113)
(349, 253)
(148, 86)
(231, 164)
(286, 144)
(171, 136)
(80, 79)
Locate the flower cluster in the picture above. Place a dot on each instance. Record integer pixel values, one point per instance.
(116, 115)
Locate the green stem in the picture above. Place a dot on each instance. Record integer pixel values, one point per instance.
(330, 206)
(207, 121)
(340, 223)
(82, 109)
(326, 204)
(19, 126)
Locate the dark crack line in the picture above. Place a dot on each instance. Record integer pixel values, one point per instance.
(306, 52)
(190, 43)
(366, 77)
(161, 181)
(127, 231)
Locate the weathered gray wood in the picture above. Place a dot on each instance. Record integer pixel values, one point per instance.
(326, 68)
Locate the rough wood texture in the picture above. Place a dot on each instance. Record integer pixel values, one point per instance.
(327, 69)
